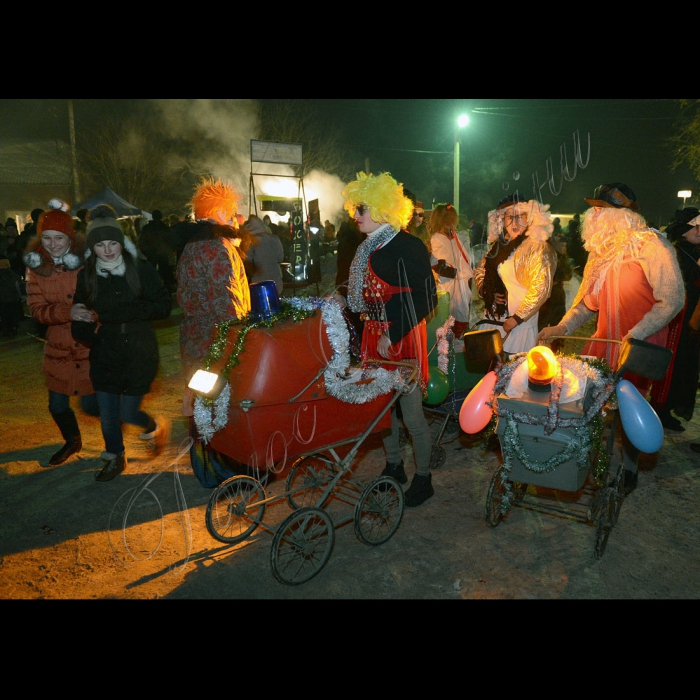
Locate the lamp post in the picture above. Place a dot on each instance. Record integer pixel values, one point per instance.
(684, 194)
(462, 121)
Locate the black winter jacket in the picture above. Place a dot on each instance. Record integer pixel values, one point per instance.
(123, 345)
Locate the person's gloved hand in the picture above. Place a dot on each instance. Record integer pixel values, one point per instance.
(445, 270)
(543, 337)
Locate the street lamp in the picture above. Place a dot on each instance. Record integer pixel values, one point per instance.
(684, 194)
(462, 121)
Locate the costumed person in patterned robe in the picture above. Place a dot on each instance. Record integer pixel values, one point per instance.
(515, 276)
(450, 260)
(632, 281)
(211, 288)
(392, 287)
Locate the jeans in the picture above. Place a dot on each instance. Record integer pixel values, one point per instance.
(60, 403)
(116, 409)
(417, 425)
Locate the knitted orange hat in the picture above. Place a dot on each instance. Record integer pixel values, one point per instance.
(56, 219)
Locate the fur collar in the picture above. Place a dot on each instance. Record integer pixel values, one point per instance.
(38, 259)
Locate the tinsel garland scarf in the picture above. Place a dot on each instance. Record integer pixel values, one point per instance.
(587, 428)
(357, 386)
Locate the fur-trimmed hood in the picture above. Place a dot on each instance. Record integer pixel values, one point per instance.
(38, 259)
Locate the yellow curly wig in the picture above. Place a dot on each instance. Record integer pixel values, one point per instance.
(215, 199)
(384, 197)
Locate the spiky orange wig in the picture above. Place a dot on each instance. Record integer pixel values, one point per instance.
(384, 197)
(216, 199)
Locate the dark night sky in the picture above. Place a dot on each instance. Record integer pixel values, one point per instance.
(515, 138)
(507, 145)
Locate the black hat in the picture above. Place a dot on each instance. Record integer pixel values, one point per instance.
(679, 224)
(512, 198)
(614, 195)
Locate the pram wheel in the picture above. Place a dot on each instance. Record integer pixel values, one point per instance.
(234, 509)
(438, 457)
(606, 521)
(302, 546)
(379, 510)
(312, 475)
(494, 499)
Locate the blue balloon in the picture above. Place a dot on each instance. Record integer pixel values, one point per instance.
(641, 423)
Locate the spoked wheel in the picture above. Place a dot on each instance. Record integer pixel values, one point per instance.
(379, 510)
(438, 456)
(234, 509)
(494, 499)
(605, 522)
(312, 474)
(302, 546)
(519, 491)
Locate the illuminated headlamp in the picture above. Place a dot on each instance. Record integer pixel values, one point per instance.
(207, 384)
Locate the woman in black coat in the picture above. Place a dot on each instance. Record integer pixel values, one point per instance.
(126, 293)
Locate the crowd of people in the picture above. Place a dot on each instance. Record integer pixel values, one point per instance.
(95, 283)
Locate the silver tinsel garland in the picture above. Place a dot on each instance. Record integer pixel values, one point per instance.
(211, 417)
(578, 447)
(359, 263)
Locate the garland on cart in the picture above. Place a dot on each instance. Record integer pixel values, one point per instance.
(212, 415)
(588, 429)
(596, 372)
(443, 344)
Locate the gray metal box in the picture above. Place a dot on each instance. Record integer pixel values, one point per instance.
(568, 476)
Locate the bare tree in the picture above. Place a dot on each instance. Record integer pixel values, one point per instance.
(686, 142)
(300, 121)
(133, 161)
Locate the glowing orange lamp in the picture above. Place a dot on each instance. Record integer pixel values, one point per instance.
(541, 368)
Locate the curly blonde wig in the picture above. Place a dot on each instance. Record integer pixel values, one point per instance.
(215, 199)
(383, 195)
(610, 230)
(540, 224)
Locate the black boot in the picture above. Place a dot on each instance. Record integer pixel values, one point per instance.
(68, 425)
(420, 490)
(396, 471)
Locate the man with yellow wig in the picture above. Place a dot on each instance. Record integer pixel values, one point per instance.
(392, 286)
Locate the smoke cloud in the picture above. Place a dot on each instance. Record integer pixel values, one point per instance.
(214, 137)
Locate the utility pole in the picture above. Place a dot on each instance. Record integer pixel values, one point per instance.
(76, 181)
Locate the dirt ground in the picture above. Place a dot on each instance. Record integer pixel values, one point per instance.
(65, 536)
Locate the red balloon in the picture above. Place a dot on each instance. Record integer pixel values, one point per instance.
(475, 414)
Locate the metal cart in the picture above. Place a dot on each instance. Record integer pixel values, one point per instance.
(565, 473)
(269, 394)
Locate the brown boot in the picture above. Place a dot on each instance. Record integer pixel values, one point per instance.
(68, 425)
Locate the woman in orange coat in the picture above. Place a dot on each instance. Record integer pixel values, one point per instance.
(53, 259)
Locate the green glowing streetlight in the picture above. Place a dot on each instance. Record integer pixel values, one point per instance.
(462, 121)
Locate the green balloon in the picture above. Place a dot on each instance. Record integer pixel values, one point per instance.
(438, 387)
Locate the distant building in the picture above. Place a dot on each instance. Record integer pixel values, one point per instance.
(32, 173)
